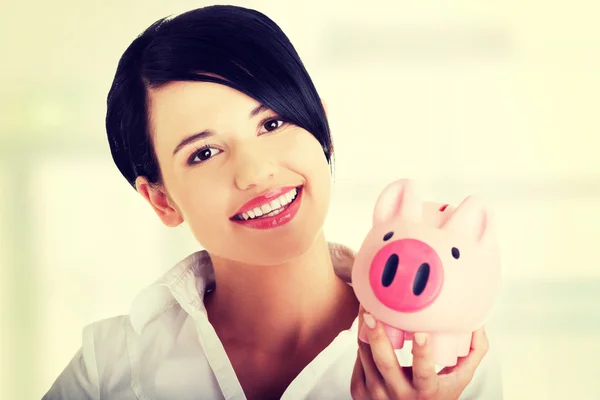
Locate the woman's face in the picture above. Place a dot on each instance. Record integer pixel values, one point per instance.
(243, 153)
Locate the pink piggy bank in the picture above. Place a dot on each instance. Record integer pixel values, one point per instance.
(427, 267)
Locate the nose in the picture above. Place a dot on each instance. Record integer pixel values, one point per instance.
(253, 169)
(406, 275)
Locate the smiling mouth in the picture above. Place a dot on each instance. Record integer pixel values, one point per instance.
(271, 208)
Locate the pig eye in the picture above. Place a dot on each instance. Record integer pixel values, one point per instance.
(388, 236)
(455, 253)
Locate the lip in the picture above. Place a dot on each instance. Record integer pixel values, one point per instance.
(263, 199)
(277, 220)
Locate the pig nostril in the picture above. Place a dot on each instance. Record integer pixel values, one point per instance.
(389, 271)
(421, 279)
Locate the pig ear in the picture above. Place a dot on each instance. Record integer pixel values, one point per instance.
(398, 200)
(471, 219)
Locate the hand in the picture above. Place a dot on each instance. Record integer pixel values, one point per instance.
(378, 375)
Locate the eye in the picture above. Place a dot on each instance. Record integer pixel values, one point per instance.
(203, 154)
(270, 125)
(455, 253)
(388, 236)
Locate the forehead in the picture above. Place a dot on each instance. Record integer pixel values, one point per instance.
(178, 109)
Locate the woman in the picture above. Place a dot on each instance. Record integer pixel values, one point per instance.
(214, 120)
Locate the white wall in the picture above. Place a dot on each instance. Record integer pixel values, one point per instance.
(497, 99)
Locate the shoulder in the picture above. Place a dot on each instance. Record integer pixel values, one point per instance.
(108, 329)
(105, 341)
(103, 344)
(157, 312)
(110, 354)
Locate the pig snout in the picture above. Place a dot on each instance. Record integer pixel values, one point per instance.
(406, 275)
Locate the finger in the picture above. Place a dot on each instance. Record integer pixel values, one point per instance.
(375, 383)
(385, 360)
(466, 366)
(425, 379)
(358, 389)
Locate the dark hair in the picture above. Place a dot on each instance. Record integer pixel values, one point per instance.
(243, 46)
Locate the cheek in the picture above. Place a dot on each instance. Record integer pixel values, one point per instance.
(201, 198)
(301, 151)
(305, 156)
(205, 213)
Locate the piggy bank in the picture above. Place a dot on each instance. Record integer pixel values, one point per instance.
(427, 267)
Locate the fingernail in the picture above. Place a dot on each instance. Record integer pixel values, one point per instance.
(369, 320)
(420, 338)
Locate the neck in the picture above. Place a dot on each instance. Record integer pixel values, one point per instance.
(278, 308)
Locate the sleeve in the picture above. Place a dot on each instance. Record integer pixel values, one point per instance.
(79, 380)
(487, 380)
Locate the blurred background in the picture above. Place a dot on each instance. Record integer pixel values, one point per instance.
(498, 98)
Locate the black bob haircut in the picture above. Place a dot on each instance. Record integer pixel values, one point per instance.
(243, 46)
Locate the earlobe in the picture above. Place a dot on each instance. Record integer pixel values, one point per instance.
(159, 201)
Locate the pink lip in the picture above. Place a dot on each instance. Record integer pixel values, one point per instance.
(263, 199)
(277, 220)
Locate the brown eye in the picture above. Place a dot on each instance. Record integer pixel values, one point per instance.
(202, 155)
(271, 125)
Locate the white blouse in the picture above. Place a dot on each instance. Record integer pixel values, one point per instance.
(166, 348)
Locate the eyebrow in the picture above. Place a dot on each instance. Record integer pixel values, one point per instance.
(257, 110)
(191, 139)
(207, 133)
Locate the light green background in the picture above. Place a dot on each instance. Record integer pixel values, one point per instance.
(495, 98)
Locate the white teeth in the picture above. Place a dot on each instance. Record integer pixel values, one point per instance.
(273, 213)
(273, 208)
(275, 204)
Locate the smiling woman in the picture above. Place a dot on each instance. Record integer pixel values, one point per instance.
(215, 122)
(244, 152)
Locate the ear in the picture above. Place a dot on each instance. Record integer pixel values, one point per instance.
(163, 206)
(471, 219)
(398, 200)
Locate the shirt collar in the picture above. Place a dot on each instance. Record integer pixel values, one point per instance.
(175, 286)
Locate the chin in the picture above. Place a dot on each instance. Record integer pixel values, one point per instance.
(289, 243)
(277, 247)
